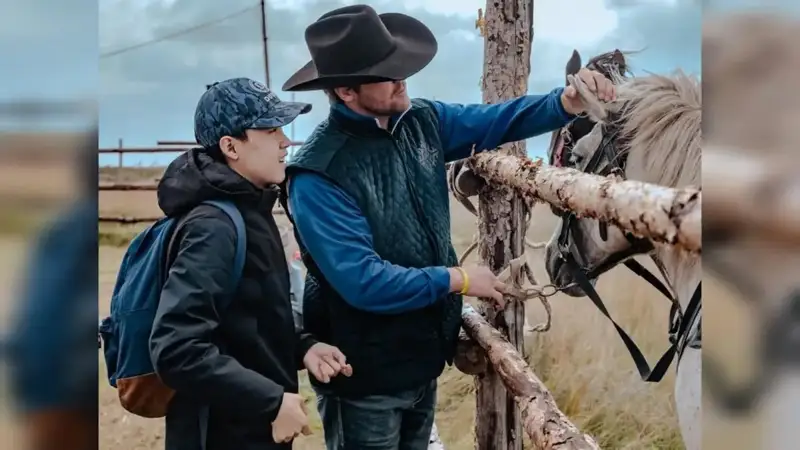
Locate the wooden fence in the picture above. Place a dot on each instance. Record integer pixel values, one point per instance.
(507, 29)
(620, 202)
(161, 147)
(510, 397)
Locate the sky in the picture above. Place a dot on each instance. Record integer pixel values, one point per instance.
(149, 93)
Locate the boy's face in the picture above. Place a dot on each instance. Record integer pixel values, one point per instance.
(261, 158)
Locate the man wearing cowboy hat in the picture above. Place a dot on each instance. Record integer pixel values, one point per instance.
(369, 200)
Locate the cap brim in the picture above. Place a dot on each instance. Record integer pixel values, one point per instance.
(284, 114)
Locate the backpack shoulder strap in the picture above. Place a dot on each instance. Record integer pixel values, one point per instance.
(241, 235)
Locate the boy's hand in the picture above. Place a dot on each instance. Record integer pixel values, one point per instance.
(325, 361)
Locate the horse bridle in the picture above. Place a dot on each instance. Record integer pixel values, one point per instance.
(778, 345)
(679, 322)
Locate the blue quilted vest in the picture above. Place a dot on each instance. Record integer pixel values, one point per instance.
(397, 178)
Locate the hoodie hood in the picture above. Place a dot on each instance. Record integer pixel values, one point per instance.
(194, 177)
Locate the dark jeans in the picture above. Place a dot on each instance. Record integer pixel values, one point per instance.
(400, 421)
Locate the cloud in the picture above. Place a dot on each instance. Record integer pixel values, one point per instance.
(49, 49)
(669, 31)
(150, 93)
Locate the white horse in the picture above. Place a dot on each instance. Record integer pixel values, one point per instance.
(652, 134)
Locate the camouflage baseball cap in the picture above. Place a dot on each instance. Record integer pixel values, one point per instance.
(232, 106)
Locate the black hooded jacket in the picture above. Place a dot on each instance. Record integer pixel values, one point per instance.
(238, 357)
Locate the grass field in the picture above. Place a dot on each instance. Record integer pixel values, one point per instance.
(581, 360)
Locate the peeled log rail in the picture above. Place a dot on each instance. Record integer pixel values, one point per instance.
(133, 220)
(127, 220)
(660, 214)
(751, 195)
(547, 426)
(127, 187)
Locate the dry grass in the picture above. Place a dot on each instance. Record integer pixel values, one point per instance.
(126, 174)
(581, 360)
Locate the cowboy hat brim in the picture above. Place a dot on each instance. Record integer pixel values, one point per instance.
(416, 47)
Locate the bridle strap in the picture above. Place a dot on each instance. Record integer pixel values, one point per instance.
(779, 351)
(648, 276)
(647, 374)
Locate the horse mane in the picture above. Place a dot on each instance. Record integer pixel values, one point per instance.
(659, 120)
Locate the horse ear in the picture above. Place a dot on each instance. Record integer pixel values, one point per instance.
(574, 63)
(619, 58)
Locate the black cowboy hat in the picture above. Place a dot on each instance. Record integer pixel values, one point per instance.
(355, 45)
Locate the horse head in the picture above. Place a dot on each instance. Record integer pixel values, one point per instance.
(651, 134)
(562, 151)
(614, 67)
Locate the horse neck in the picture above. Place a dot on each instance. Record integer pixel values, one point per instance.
(683, 271)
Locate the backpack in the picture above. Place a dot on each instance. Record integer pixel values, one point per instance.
(126, 331)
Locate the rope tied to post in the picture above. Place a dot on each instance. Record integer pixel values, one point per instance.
(462, 189)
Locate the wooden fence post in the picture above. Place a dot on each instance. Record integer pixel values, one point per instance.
(119, 165)
(507, 29)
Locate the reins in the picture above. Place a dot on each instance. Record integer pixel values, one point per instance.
(679, 321)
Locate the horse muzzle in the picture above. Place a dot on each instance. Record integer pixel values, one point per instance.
(562, 273)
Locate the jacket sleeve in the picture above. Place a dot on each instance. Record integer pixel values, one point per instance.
(305, 341)
(339, 239)
(193, 296)
(487, 126)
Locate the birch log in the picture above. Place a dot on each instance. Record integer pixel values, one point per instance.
(751, 195)
(547, 426)
(661, 214)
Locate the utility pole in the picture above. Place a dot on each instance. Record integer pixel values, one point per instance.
(264, 39)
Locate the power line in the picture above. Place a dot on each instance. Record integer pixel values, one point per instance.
(178, 33)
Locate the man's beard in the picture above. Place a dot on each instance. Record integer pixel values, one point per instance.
(383, 112)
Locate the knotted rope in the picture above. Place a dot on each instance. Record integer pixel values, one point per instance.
(516, 267)
(463, 187)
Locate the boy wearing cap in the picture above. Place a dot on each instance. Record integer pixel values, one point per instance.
(238, 358)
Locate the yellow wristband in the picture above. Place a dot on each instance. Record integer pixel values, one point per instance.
(464, 275)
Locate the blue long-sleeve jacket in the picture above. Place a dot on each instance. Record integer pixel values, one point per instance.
(338, 236)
